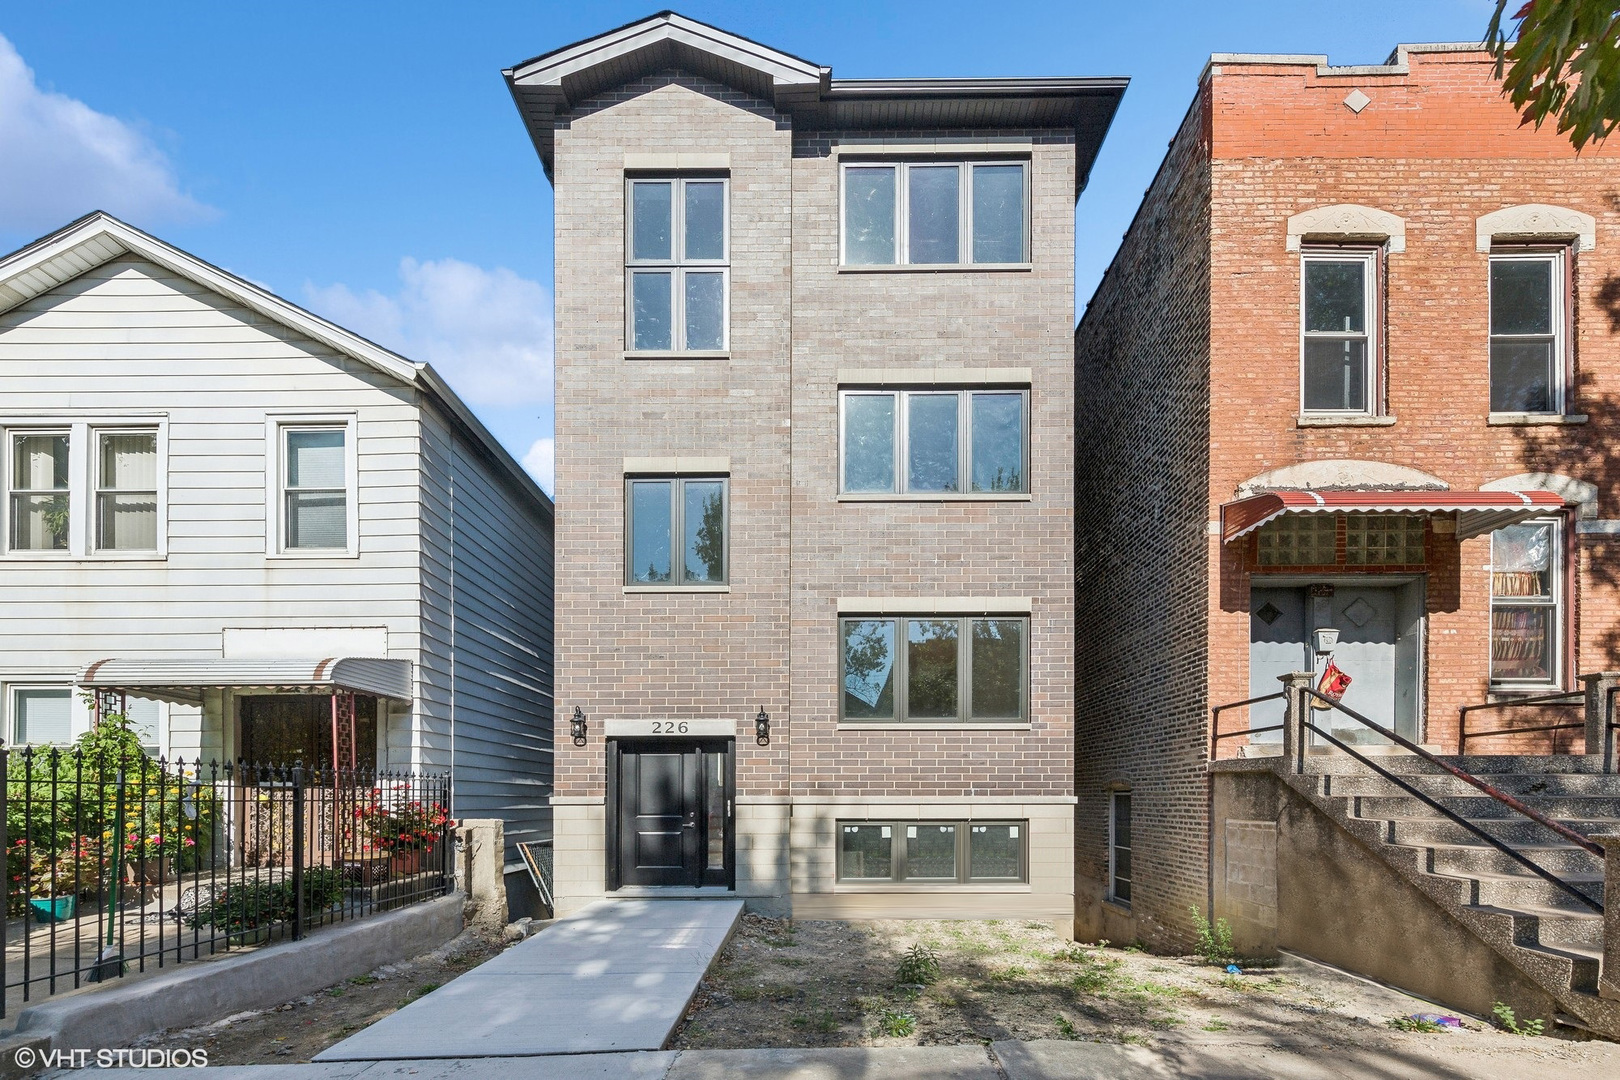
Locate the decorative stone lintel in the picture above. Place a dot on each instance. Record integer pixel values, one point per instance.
(1536, 221)
(1344, 222)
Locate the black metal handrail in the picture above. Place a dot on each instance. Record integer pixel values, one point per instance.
(1564, 831)
(1562, 698)
(1215, 735)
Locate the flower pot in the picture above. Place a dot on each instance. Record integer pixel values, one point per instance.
(58, 909)
(152, 872)
(405, 862)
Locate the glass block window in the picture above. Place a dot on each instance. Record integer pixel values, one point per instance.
(1383, 539)
(1299, 540)
(932, 852)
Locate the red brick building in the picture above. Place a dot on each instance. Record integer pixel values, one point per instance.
(1355, 368)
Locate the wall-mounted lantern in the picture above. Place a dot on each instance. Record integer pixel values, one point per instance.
(576, 726)
(762, 727)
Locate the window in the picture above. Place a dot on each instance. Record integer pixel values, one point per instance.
(1119, 848)
(936, 213)
(315, 494)
(675, 530)
(1383, 539)
(126, 491)
(935, 669)
(677, 250)
(1338, 350)
(935, 442)
(1526, 603)
(1527, 331)
(1299, 540)
(39, 491)
(145, 718)
(41, 715)
(931, 852)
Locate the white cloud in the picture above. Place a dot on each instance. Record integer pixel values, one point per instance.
(488, 332)
(64, 159)
(541, 461)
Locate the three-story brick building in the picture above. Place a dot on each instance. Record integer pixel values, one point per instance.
(815, 458)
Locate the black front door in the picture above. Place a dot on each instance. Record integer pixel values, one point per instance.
(674, 810)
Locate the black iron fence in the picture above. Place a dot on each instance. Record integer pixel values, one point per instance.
(115, 863)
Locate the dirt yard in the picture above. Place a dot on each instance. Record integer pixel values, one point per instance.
(298, 1030)
(842, 984)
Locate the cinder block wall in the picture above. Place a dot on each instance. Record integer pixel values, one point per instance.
(1142, 590)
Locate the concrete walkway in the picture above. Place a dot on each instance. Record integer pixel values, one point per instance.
(616, 976)
(1436, 1057)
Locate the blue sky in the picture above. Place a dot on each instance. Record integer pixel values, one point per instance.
(365, 160)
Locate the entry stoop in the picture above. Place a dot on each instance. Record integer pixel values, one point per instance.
(1370, 877)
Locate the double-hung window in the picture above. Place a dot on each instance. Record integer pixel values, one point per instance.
(315, 488)
(934, 669)
(936, 213)
(40, 500)
(932, 852)
(1527, 603)
(1527, 331)
(126, 472)
(1339, 332)
(677, 273)
(675, 531)
(935, 442)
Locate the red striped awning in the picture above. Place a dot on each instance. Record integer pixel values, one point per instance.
(1477, 511)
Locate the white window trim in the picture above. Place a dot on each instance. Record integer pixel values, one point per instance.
(1558, 255)
(964, 210)
(275, 427)
(964, 434)
(677, 265)
(1560, 560)
(1374, 322)
(82, 430)
(79, 717)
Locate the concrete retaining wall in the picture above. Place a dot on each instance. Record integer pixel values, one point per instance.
(200, 992)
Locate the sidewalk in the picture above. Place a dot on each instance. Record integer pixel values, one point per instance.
(615, 976)
(1437, 1057)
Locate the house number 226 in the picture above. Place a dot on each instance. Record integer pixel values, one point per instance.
(669, 727)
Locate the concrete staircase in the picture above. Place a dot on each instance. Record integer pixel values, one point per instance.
(1548, 935)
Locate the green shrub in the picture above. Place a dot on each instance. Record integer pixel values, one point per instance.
(918, 967)
(1214, 940)
(896, 1024)
(249, 905)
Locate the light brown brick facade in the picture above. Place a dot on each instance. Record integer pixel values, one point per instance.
(1438, 147)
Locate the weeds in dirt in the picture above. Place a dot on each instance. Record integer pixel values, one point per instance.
(1097, 972)
(823, 1022)
(425, 989)
(1414, 1024)
(1066, 1028)
(896, 1024)
(1214, 940)
(1509, 1022)
(918, 967)
(364, 980)
(1216, 1024)
(1250, 985)
(1009, 974)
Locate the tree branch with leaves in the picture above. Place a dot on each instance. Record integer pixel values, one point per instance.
(1562, 61)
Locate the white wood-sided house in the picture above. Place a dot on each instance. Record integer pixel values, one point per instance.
(238, 517)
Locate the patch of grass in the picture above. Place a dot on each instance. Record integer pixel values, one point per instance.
(334, 991)
(1214, 940)
(1216, 1024)
(739, 971)
(896, 1024)
(425, 989)
(789, 961)
(1009, 974)
(918, 967)
(364, 980)
(1510, 1023)
(1415, 1024)
(1097, 973)
(1137, 946)
(1250, 985)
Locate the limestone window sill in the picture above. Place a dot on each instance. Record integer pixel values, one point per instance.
(936, 497)
(1342, 420)
(675, 589)
(672, 354)
(930, 887)
(1519, 419)
(950, 725)
(938, 268)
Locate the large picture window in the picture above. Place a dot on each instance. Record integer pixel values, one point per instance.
(1527, 603)
(932, 852)
(935, 213)
(1527, 331)
(935, 669)
(677, 272)
(935, 442)
(675, 531)
(1339, 338)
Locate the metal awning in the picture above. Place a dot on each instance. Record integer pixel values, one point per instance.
(185, 680)
(1477, 512)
